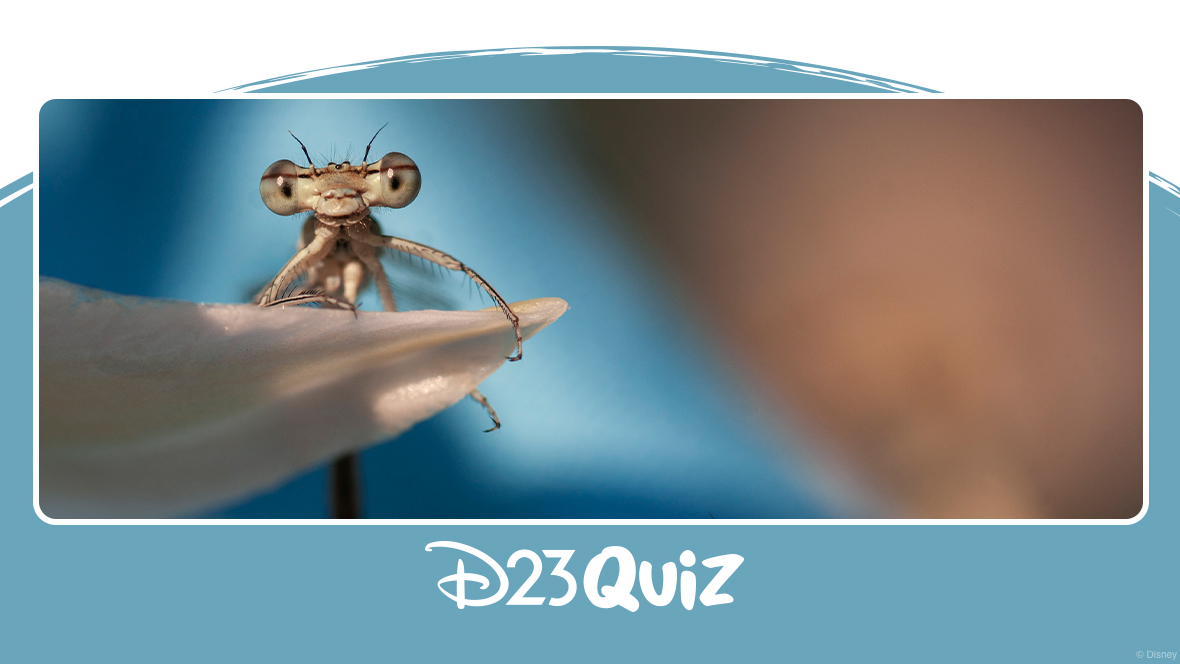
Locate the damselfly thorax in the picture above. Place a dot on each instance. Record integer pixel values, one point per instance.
(341, 244)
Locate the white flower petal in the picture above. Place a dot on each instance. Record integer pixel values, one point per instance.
(159, 407)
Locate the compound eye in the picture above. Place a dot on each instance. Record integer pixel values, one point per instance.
(280, 187)
(400, 180)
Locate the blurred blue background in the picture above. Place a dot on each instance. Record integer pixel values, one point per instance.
(622, 409)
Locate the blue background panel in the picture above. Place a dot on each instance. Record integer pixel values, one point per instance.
(1024, 593)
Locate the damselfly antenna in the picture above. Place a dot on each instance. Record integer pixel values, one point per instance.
(365, 159)
(310, 164)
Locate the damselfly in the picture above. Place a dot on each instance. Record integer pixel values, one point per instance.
(340, 245)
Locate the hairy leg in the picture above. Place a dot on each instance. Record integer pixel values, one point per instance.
(307, 257)
(483, 401)
(362, 234)
(364, 251)
(368, 255)
(352, 276)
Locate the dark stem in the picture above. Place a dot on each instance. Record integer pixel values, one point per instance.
(346, 487)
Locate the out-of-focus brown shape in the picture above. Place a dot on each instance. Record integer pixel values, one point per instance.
(946, 293)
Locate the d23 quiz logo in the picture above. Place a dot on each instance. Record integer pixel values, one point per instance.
(620, 593)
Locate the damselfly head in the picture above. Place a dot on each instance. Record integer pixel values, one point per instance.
(340, 190)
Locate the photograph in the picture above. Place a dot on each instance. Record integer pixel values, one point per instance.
(743, 309)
